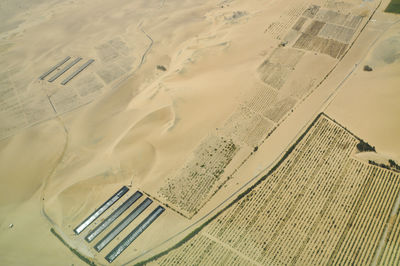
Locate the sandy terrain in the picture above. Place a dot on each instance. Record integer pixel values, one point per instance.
(186, 102)
(375, 92)
(318, 206)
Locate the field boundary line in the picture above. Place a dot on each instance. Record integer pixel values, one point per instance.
(216, 240)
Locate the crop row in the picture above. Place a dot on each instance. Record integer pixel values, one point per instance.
(262, 97)
(247, 127)
(333, 223)
(320, 206)
(278, 29)
(201, 250)
(280, 108)
(262, 224)
(372, 212)
(391, 253)
(337, 18)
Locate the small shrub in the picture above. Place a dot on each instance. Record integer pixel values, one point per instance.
(367, 68)
(161, 67)
(394, 165)
(363, 146)
(73, 250)
(384, 166)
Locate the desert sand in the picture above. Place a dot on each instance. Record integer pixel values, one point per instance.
(189, 102)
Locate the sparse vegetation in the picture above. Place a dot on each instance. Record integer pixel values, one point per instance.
(194, 184)
(367, 68)
(283, 44)
(391, 166)
(236, 15)
(237, 200)
(161, 67)
(394, 165)
(378, 164)
(73, 250)
(316, 191)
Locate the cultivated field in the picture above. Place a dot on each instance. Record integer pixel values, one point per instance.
(193, 184)
(28, 99)
(309, 33)
(318, 206)
(187, 103)
(391, 253)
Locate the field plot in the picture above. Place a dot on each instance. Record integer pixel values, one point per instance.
(275, 70)
(269, 101)
(261, 97)
(110, 73)
(318, 206)
(276, 111)
(334, 17)
(273, 74)
(340, 33)
(279, 28)
(311, 11)
(314, 28)
(29, 100)
(299, 24)
(116, 62)
(321, 45)
(247, 126)
(192, 185)
(325, 31)
(88, 86)
(20, 108)
(64, 84)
